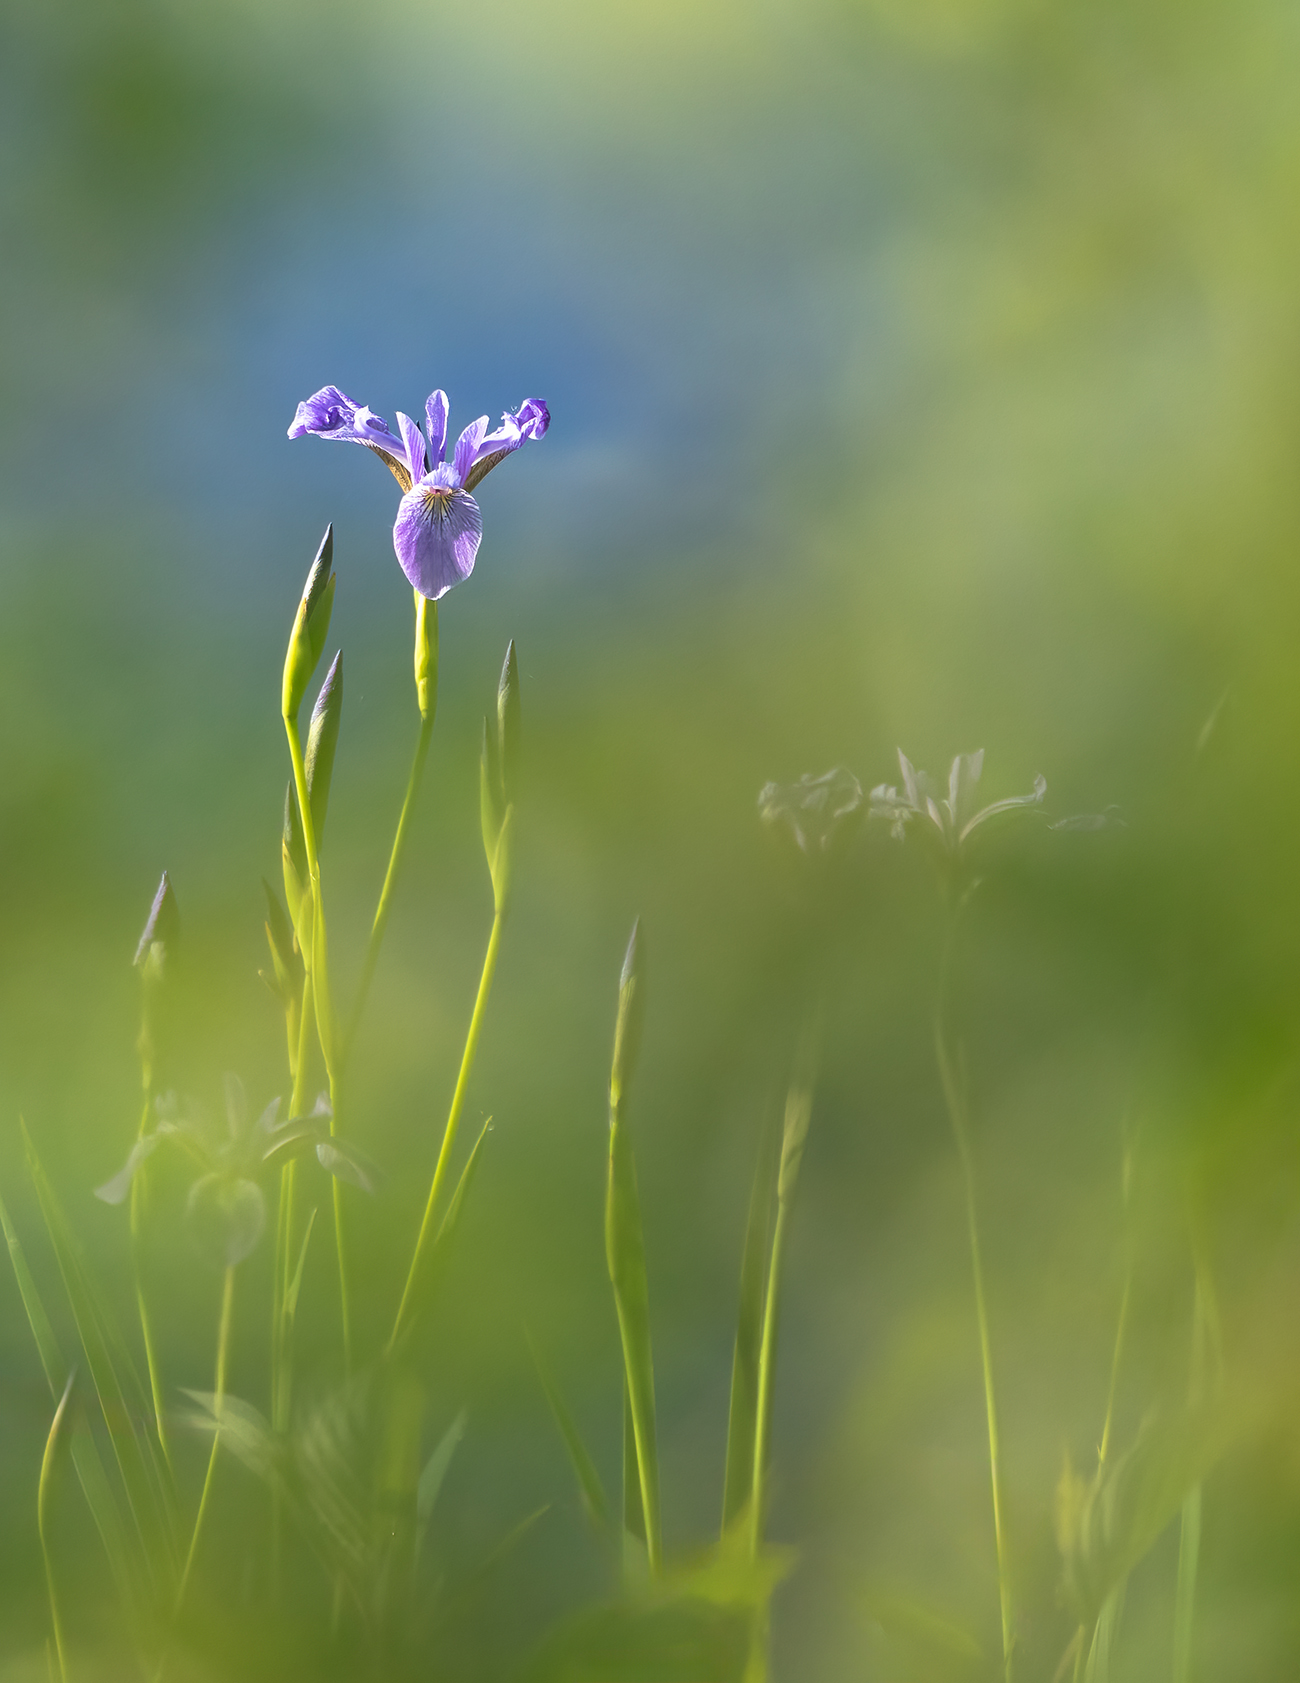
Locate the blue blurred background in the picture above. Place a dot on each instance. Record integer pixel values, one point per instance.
(922, 372)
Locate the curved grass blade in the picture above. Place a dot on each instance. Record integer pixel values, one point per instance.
(594, 1501)
(146, 1489)
(52, 1464)
(124, 1561)
(742, 1422)
(420, 1292)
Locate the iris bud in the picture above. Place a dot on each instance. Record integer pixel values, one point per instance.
(631, 1015)
(161, 931)
(322, 739)
(310, 627)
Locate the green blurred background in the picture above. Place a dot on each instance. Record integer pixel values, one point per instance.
(923, 372)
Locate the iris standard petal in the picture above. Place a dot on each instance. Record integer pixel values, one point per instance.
(467, 448)
(436, 533)
(330, 413)
(412, 446)
(435, 411)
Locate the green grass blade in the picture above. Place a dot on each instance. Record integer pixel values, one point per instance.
(742, 1422)
(47, 1345)
(434, 1472)
(625, 1254)
(1189, 1549)
(143, 1483)
(105, 1508)
(421, 1290)
(594, 1501)
(633, 1511)
(52, 1464)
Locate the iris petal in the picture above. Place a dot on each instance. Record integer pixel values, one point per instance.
(436, 413)
(436, 534)
(467, 446)
(412, 447)
(530, 420)
(330, 413)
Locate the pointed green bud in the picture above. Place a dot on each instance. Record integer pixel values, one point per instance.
(426, 655)
(161, 931)
(310, 628)
(631, 1014)
(491, 806)
(509, 720)
(322, 739)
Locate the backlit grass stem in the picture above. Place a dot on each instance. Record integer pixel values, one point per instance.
(317, 962)
(406, 1307)
(51, 1461)
(223, 1351)
(954, 1092)
(426, 691)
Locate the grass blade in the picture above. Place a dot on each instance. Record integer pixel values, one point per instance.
(625, 1253)
(52, 1464)
(1189, 1549)
(124, 1561)
(421, 1290)
(594, 1501)
(142, 1481)
(431, 1478)
(742, 1422)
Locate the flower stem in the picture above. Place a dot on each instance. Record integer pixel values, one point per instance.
(223, 1349)
(382, 910)
(146, 1326)
(955, 1099)
(318, 974)
(422, 1243)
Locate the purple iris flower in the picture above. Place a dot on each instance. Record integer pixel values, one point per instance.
(438, 526)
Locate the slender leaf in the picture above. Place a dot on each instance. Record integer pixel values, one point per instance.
(124, 1560)
(1189, 1549)
(742, 1421)
(107, 1362)
(625, 1254)
(594, 1500)
(53, 1462)
(431, 1478)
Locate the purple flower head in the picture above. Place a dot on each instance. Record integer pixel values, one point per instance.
(438, 527)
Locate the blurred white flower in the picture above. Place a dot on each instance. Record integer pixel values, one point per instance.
(813, 807)
(953, 816)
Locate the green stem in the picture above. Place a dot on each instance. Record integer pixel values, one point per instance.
(318, 974)
(1189, 1549)
(766, 1374)
(449, 1133)
(223, 1350)
(382, 910)
(146, 1326)
(43, 1496)
(955, 1100)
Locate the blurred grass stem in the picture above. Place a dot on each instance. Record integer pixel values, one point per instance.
(317, 962)
(44, 1493)
(146, 1327)
(406, 1306)
(954, 1093)
(390, 879)
(223, 1350)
